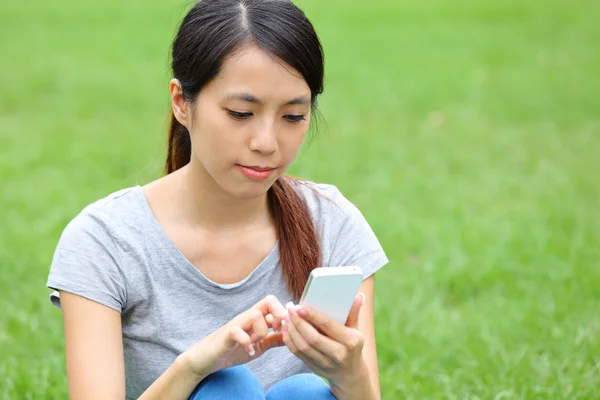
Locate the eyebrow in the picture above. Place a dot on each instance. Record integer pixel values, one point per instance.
(251, 99)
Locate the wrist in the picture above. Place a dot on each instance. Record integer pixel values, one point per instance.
(177, 382)
(354, 385)
(184, 366)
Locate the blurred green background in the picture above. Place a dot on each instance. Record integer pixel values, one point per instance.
(466, 131)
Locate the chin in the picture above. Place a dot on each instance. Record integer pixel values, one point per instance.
(250, 190)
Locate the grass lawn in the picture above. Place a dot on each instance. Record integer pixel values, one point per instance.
(466, 131)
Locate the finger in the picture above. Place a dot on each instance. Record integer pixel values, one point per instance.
(271, 305)
(287, 340)
(330, 348)
(271, 321)
(270, 318)
(317, 358)
(259, 326)
(352, 321)
(272, 340)
(237, 336)
(325, 324)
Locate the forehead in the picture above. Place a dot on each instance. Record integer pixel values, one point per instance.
(252, 70)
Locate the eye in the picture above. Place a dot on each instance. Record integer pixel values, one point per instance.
(294, 118)
(239, 115)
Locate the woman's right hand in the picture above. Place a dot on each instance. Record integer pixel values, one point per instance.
(242, 339)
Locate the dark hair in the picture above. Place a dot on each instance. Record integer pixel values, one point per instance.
(211, 31)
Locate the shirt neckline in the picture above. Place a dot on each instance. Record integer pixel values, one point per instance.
(270, 260)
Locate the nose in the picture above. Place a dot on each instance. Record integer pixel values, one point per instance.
(264, 139)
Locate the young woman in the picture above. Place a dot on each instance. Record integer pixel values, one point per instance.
(174, 290)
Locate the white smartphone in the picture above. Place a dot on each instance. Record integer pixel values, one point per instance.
(331, 290)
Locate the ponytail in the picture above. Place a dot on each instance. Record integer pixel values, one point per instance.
(299, 248)
(179, 146)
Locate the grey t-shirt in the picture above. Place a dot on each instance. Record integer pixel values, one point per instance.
(115, 253)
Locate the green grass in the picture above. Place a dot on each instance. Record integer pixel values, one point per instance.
(466, 131)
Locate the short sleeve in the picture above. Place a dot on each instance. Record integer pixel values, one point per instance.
(86, 263)
(355, 243)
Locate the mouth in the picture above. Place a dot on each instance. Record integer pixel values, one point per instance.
(258, 173)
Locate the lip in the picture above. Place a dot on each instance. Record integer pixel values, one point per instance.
(255, 172)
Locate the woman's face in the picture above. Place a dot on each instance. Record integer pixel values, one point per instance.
(249, 122)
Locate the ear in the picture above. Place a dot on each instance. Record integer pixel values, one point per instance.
(178, 103)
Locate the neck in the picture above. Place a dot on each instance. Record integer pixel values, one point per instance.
(206, 204)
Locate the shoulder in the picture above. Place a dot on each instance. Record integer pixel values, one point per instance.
(346, 236)
(115, 204)
(86, 260)
(107, 215)
(326, 201)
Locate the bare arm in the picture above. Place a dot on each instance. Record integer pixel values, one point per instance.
(95, 365)
(94, 347)
(366, 324)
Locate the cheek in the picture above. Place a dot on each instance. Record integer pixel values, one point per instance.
(293, 139)
(214, 143)
(290, 143)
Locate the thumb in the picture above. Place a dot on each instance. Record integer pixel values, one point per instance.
(270, 341)
(352, 321)
(237, 336)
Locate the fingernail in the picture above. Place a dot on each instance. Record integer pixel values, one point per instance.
(291, 311)
(289, 304)
(251, 351)
(302, 312)
(363, 297)
(283, 326)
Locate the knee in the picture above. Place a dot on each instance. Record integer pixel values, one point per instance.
(301, 387)
(230, 383)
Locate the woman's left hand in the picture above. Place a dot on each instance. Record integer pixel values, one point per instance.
(329, 349)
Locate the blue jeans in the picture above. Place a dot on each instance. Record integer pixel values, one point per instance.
(239, 383)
